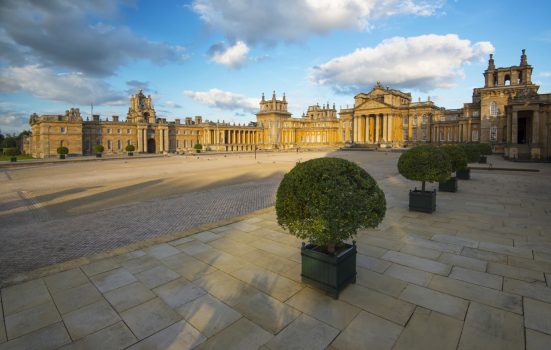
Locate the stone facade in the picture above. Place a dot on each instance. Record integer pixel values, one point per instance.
(506, 112)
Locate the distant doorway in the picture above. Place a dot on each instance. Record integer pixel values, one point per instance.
(524, 127)
(151, 146)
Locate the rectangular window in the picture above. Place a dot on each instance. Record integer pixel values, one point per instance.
(493, 133)
(119, 144)
(475, 114)
(118, 131)
(475, 135)
(424, 119)
(414, 120)
(424, 134)
(63, 130)
(108, 144)
(405, 121)
(128, 131)
(108, 131)
(405, 133)
(415, 134)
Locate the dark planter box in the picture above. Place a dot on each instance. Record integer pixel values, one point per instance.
(424, 201)
(330, 273)
(61, 156)
(448, 186)
(98, 155)
(130, 154)
(463, 174)
(13, 159)
(482, 160)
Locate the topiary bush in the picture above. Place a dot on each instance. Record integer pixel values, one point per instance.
(457, 157)
(484, 149)
(426, 164)
(11, 152)
(62, 150)
(326, 200)
(198, 147)
(99, 148)
(471, 151)
(130, 148)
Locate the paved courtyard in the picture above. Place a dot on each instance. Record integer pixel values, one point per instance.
(476, 274)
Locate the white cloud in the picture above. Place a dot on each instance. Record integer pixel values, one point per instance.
(423, 62)
(224, 100)
(232, 56)
(73, 88)
(545, 74)
(67, 33)
(291, 20)
(172, 104)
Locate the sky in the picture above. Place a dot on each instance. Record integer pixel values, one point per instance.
(215, 58)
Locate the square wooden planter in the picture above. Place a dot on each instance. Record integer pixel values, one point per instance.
(61, 156)
(330, 273)
(448, 186)
(463, 174)
(98, 155)
(423, 201)
(130, 154)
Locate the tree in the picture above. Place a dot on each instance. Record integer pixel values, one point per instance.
(327, 200)
(457, 157)
(426, 164)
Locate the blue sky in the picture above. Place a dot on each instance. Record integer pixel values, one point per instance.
(216, 57)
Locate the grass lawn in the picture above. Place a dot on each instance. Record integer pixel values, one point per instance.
(19, 157)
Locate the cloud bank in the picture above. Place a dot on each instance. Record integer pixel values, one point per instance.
(256, 21)
(423, 62)
(224, 100)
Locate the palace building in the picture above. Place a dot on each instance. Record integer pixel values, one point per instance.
(507, 112)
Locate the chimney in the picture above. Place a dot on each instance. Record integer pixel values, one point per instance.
(177, 121)
(95, 117)
(188, 121)
(198, 119)
(115, 118)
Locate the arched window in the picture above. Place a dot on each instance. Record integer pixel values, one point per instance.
(493, 109)
(507, 80)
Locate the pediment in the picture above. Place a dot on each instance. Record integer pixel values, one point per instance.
(371, 104)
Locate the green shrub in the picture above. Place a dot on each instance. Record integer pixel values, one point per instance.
(326, 200)
(10, 142)
(62, 150)
(11, 151)
(484, 149)
(198, 146)
(426, 164)
(99, 148)
(457, 157)
(130, 148)
(471, 151)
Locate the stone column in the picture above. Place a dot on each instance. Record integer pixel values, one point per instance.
(167, 144)
(514, 128)
(385, 126)
(355, 125)
(367, 129)
(535, 127)
(140, 140)
(377, 126)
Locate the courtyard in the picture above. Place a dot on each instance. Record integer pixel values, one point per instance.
(185, 252)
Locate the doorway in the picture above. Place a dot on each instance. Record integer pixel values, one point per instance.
(151, 146)
(524, 129)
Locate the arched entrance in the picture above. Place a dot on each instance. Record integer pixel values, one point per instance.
(151, 146)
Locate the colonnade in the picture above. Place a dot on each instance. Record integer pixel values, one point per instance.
(373, 128)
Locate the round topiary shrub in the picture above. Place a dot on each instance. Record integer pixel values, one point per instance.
(99, 148)
(471, 151)
(457, 157)
(326, 200)
(130, 148)
(62, 150)
(426, 164)
(198, 147)
(484, 149)
(11, 152)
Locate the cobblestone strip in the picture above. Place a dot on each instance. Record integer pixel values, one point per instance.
(35, 208)
(30, 245)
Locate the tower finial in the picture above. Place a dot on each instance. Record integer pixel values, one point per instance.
(523, 58)
(491, 65)
(263, 97)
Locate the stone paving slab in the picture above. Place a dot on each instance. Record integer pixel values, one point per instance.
(460, 278)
